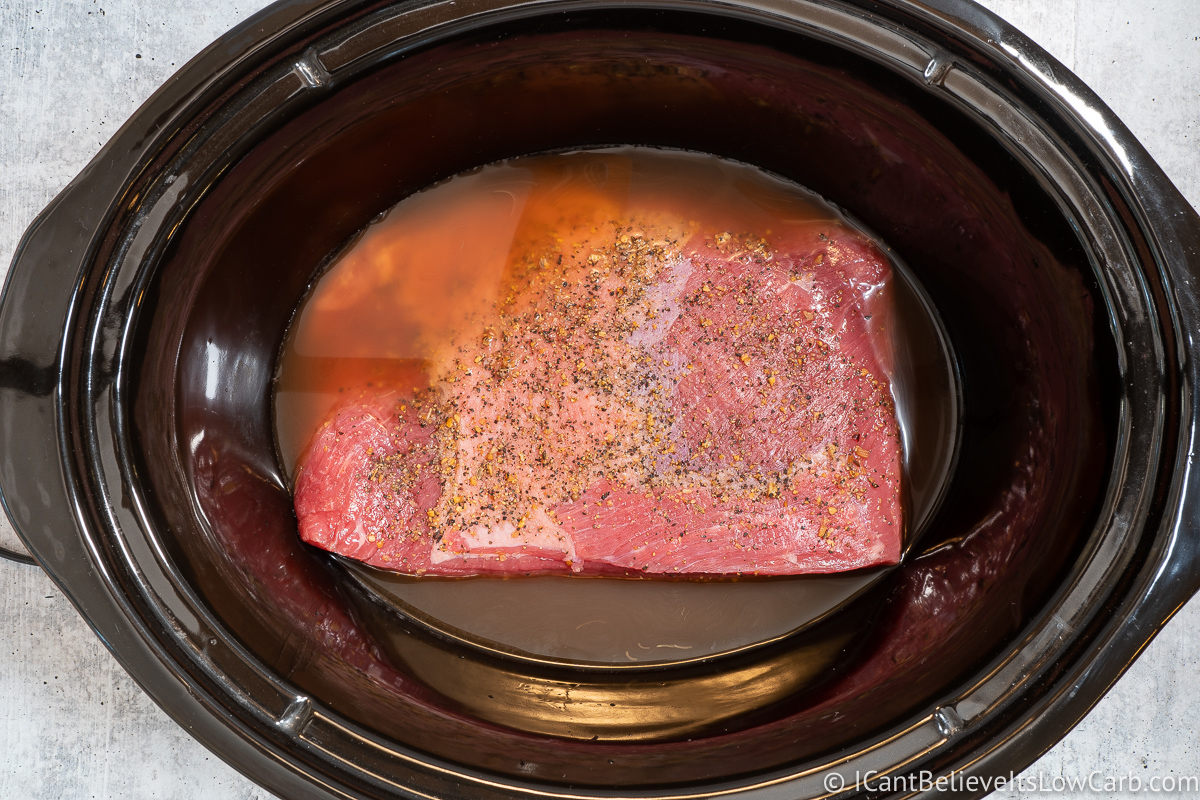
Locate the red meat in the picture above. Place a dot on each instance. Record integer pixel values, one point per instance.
(637, 403)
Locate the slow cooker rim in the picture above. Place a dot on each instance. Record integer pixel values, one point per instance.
(96, 180)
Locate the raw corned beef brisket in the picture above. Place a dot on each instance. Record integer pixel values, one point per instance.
(645, 398)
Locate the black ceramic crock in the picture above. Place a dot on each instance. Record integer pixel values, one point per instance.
(146, 307)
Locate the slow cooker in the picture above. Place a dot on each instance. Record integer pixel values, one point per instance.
(146, 307)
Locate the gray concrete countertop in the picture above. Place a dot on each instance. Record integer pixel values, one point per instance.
(74, 725)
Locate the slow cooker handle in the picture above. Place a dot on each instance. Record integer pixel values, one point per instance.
(1170, 577)
(38, 299)
(15, 374)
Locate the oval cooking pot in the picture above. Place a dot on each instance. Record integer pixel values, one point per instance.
(146, 307)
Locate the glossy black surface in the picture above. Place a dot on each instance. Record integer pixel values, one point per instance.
(146, 306)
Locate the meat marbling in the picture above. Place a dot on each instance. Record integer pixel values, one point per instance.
(646, 396)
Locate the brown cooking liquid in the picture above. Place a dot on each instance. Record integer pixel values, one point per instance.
(394, 297)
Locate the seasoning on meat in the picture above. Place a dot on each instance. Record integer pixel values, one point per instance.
(645, 395)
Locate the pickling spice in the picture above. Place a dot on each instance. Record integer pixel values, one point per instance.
(625, 362)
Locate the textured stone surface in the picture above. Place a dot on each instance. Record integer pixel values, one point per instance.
(73, 724)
